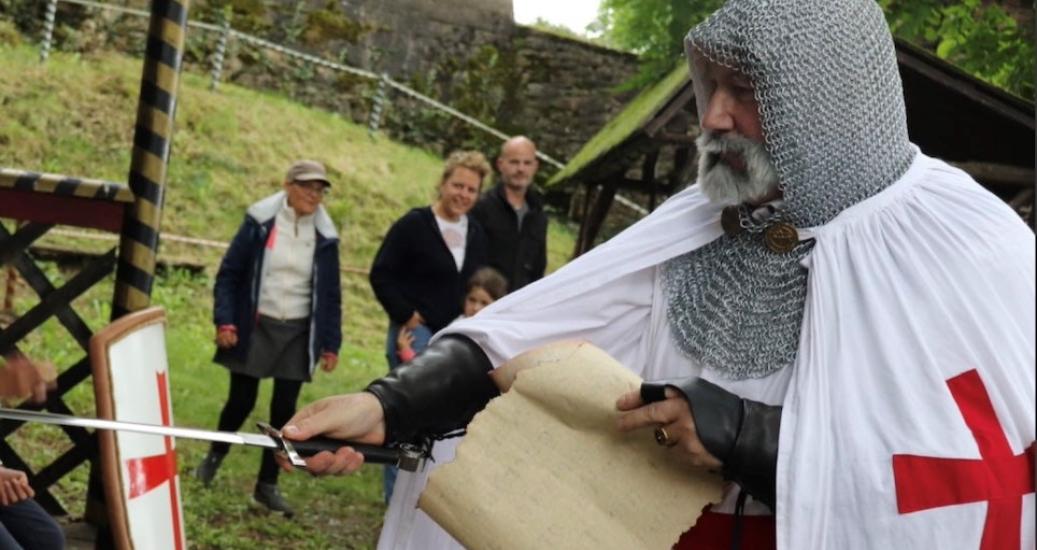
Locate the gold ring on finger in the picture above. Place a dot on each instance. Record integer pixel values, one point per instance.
(662, 437)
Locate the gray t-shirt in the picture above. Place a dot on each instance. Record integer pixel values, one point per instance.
(520, 214)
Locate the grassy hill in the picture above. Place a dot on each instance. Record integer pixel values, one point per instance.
(75, 116)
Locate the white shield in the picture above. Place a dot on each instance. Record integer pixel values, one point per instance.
(131, 383)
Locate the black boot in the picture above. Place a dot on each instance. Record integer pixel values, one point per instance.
(268, 495)
(206, 471)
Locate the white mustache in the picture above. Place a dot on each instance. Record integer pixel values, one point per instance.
(723, 184)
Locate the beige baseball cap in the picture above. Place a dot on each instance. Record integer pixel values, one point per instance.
(307, 170)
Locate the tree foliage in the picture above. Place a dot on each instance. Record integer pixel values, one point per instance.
(654, 29)
(979, 37)
(976, 35)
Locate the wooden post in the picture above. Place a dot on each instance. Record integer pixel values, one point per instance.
(648, 177)
(602, 204)
(153, 137)
(149, 162)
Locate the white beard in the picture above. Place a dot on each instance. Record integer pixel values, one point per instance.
(726, 186)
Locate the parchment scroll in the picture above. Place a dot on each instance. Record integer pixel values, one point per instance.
(543, 466)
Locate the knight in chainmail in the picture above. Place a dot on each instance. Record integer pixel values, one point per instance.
(806, 308)
(736, 306)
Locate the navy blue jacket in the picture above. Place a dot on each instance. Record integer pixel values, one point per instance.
(415, 271)
(236, 292)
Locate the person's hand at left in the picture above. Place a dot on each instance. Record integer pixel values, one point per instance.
(21, 378)
(14, 487)
(328, 361)
(673, 415)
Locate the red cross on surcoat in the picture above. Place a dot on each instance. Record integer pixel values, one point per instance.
(151, 471)
(999, 477)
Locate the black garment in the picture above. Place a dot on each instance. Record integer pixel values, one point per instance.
(279, 349)
(415, 271)
(519, 254)
(437, 392)
(240, 401)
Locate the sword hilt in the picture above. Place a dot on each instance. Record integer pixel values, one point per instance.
(373, 454)
(406, 457)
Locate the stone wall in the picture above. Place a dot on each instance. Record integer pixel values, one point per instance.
(567, 89)
(557, 90)
(466, 53)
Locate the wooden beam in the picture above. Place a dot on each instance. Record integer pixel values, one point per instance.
(581, 237)
(675, 106)
(683, 163)
(1005, 174)
(965, 86)
(602, 204)
(1022, 199)
(648, 177)
(11, 245)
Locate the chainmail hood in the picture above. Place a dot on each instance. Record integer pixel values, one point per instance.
(832, 112)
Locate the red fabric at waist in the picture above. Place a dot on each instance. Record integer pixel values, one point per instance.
(713, 531)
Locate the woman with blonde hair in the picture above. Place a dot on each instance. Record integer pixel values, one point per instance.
(420, 270)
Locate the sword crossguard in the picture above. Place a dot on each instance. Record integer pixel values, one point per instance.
(284, 447)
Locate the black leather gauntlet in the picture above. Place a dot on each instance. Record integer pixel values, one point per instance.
(743, 434)
(438, 391)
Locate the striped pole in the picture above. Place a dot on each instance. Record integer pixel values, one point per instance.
(48, 29)
(152, 139)
(378, 104)
(221, 50)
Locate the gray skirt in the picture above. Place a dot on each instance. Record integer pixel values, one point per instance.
(278, 349)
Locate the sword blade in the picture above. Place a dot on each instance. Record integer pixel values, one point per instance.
(237, 438)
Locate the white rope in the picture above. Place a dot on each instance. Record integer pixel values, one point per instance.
(304, 56)
(172, 238)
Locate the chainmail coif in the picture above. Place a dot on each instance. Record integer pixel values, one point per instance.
(832, 111)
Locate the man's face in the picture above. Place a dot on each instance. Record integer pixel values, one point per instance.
(732, 106)
(734, 166)
(518, 164)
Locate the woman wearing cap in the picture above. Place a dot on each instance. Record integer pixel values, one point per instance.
(277, 310)
(421, 269)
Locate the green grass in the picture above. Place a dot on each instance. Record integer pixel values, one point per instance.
(74, 116)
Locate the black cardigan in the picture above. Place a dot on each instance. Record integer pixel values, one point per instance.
(415, 271)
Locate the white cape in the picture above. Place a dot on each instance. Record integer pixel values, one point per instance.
(931, 278)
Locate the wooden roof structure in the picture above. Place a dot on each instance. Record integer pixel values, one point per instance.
(648, 149)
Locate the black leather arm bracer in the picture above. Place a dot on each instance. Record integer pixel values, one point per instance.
(438, 391)
(743, 434)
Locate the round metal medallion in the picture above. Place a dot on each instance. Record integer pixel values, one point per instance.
(781, 238)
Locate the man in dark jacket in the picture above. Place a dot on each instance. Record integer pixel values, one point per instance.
(513, 216)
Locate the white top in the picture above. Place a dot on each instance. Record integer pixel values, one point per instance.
(286, 286)
(455, 235)
(928, 281)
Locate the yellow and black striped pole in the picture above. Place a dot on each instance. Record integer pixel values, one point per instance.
(152, 140)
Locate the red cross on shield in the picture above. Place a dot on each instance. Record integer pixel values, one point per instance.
(999, 477)
(151, 471)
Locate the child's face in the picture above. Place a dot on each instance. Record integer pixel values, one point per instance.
(476, 299)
